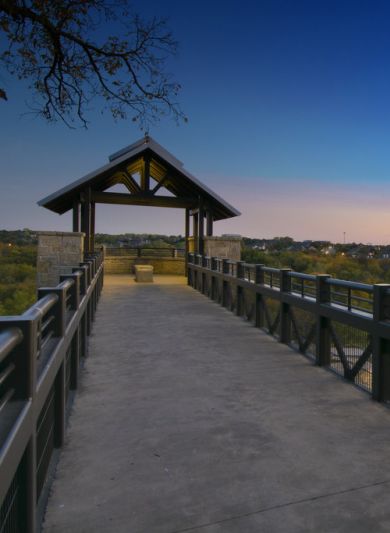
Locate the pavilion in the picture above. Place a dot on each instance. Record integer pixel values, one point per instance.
(145, 168)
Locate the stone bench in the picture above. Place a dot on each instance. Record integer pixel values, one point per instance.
(143, 273)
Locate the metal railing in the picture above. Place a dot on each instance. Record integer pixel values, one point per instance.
(341, 325)
(40, 355)
(144, 252)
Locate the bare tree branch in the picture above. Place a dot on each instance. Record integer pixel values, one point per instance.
(52, 43)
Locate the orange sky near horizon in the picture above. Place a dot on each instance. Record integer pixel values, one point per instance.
(308, 209)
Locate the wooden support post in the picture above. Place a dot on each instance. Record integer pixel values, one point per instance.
(209, 225)
(88, 220)
(187, 236)
(76, 216)
(195, 232)
(201, 227)
(82, 219)
(92, 236)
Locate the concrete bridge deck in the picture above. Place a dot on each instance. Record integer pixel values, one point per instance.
(188, 419)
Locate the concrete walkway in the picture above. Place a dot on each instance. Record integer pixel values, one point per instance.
(190, 420)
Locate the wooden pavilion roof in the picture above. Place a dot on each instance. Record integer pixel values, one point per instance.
(136, 167)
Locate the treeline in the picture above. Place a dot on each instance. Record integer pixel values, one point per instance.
(17, 277)
(19, 236)
(140, 239)
(342, 267)
(18, 263)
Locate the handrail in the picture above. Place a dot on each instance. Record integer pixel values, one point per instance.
(271, 270)
(144, 251)
(40, 355)
(343, 325)
(354, 285)
(9, 339)
(43, 305)
(301, 275)
(66, 284)
(142, 248)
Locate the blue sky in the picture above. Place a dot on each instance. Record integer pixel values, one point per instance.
(289, 120)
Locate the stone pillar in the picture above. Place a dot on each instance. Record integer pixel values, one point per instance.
(58, 252)
(225, 247)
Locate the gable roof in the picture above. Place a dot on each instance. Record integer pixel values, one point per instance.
(164, 167)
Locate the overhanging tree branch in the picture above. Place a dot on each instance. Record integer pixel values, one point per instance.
(52, 43)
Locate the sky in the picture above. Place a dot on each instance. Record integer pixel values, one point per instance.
(288, 120)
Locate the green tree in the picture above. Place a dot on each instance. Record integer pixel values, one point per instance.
(62, 48)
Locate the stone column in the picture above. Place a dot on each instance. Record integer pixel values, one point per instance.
(225, 247)
(58, 252)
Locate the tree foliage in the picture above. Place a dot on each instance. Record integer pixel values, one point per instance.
(341, 267)
(17, 278)
(65, 50)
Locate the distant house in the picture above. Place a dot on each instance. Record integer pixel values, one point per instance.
(261, 246)
(328, 250)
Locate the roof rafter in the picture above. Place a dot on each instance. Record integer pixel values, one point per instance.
(117, 198)
(160, 184)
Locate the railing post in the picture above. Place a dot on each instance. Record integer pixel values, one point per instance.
(74, 290)
(285, 321)
(83, 278)
(239, 275)
(75, 360)
(240, 269)
(225, 266)
(75, 346)
(204, 289)
(87, 266)
(259, 311)
(59, 308)
(380, 346)
(102, 258)
(89, 305)
(213, 280)
(322, 329)
(59, 383)
(24, 383)
(91, 302)
(25, 353)
(259, 274)
(225, 270)
(84, 320)
(190, 261)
